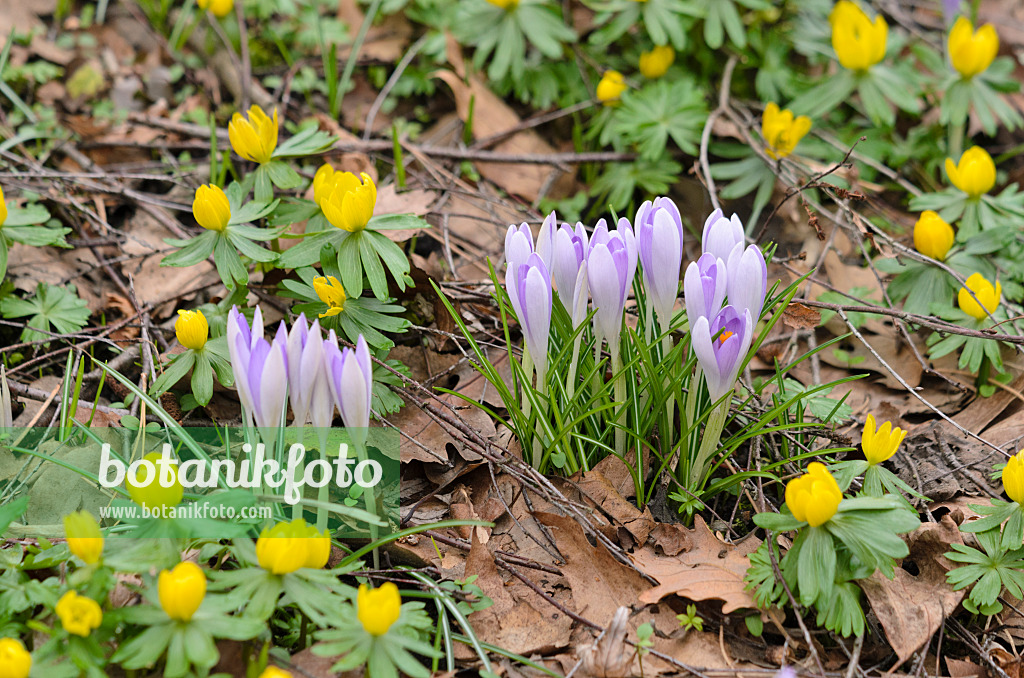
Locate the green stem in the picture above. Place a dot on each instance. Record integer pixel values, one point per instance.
(570, 382)
(299, 471)
(528, 369)
(666, 348)
(709, 444)
(620, 397)
(353, 56)
(538, 449)
(322, 492)
(370, 497)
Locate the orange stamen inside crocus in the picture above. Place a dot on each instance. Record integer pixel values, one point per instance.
(725, 335)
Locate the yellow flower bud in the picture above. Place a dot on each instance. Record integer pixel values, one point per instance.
(349, 203)
(933, 236)
(377, 609)
(79, 615)
(256, 138)
(191, 329)
(813, 497)
(3, 207)
(975, 174)
(274, 672)
(858, 41)
(655, 63)
(881, 443)
(972, 51)
(286, 547)
(331, 293)
(986, 293)
(150, 492)
(611, 88)
(211, 208)
(15, 661)
(218, 8)
(181, 590)
(1013, 478)
(507, 5)
(323, 183)
(781, 131)
(84, 537)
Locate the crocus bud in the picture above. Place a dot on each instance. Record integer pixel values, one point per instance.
(933, 236)
(655, 63)
(218, 8)
(610, 88)
(988, 294)
(15, 660)
(748, 279)
(781, 131)
(529, 289)
(975, 174)
(611, 265)
(519, 243)
(307, 380)
(721, 235)
(1013, 478)
(349, 203)
(256, 138)
(192, 329)
(704, 287)
(158, 490)
(721, 344)
(970, 51)
(240, 344)
(266, 375)
(659, 234)
(568, 259)
(84, 537)
(377, 609)
(79, 615)
(813, 497)
(881, 443)
(858, 41)
(181, 590)
(350, 377)
(211, 208)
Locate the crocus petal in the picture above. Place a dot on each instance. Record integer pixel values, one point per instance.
(721, 235)
(748, 279)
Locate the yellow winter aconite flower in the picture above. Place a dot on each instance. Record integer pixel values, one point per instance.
(274, 672)
(15, 661)
(988, 294)
(1013, 478)
(181, 590)
(655, 63)
(192, 329)
(84, 537)
(781, 131)
(323, 183)
(256, 138)
(286, 547)
(610, 88)
(149, 491)
(211, 208)
(378, 608)
(972, 51)
(975, 174)
(79, 615)
(507, 5)
(813, 497)
(858, 41)
(3, 207)
(349, 203)
(331, 293)
(218, 8)
(880, 443)
(933, 236)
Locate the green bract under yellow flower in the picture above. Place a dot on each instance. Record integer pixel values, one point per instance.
(149, 491)
(15, 660)
(379, 608)
(970, 51)
(218, 8)
(781, 131)
(655, 63)
(858, 41)
(211, 208)
(331, 292)
(192, 329)
(181, 590)
(813, 497)
(1013, 478)
(881, 443)
(975, 174)
(610, 88)
(79, 615)
(933, 236)
(84, 537)
(286, 547)
(256, 138)
(346, 202)
(988, 294)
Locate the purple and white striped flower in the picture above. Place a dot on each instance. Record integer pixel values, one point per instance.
(721, 358)
(659, 234)
(568, 260)
(704, 286)
(350, 377)
(307, 381)
(721, 235)
(266, 376)
(241, 340)
(611, 265)
(748, 279)
(529, 288)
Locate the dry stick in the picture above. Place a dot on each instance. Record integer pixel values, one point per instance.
(792, 601)
(243, 43)
(20, 389)
(407, 58)
(705, 137)
(523, 561)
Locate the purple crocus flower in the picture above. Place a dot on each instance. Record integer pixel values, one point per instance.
(519, 243)
(568, 259)
(350, 377)
(704, 286)
(529, 288)
(307, 381)
(748, 279)
(266, 377)
(611, 265)
(721, 235)
(241, 340)
(659, 233)
(721, 358)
